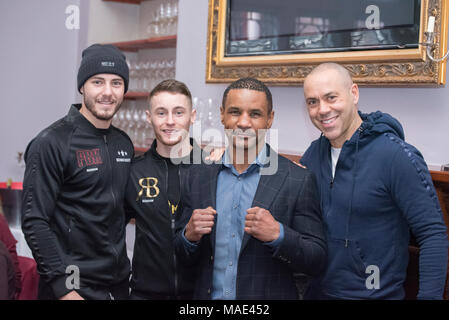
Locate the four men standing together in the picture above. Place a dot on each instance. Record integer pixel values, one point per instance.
(231, 229)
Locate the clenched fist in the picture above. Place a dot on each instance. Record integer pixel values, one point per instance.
(260, 224)
(200, 223)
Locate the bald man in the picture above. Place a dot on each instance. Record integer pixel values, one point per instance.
(375, 189)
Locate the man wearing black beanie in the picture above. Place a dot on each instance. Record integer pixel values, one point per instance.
(73, 188)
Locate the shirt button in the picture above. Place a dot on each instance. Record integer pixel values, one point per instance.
(230, 263)
(212, 257)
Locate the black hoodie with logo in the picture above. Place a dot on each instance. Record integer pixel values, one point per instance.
(72, 204)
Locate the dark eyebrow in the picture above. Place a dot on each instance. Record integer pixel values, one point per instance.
(101, 78)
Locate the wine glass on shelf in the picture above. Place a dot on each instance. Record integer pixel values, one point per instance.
(212, 112)
(152, 24)
(146, 76)
(199, 106)
(136, 128)
(129, 120)
(160, 20)
(133, 76)
(159, 74)
(145, 132)
(170, 65)
(138, 67)
(165, 71)
(174, 18)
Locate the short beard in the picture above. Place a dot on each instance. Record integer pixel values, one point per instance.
(91, 108)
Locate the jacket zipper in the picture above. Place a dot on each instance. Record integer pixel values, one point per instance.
(330, 194)
(172, 228)
(110, 168)
(114, 201)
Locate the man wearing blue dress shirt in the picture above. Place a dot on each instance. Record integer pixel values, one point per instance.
(257, 226)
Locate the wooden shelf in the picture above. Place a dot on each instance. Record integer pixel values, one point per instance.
(136, 95)
(139, 151)
(126, 1)
(150, 43)
(440, 176)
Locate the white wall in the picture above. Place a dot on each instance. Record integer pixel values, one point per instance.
(38, 63)
(424, 112)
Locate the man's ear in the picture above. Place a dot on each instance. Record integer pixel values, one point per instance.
(222, 115)
(148, 113)
(355, 93)
(270, 119)
(82, 89)
(193, 116)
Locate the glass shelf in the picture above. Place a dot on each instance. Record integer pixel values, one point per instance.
(149, 43)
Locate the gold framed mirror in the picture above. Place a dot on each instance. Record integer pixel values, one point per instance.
(380, 42)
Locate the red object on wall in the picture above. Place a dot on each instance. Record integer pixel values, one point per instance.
(14, 185)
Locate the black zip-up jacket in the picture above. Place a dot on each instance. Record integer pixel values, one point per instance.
(156, 272)
(72, 205)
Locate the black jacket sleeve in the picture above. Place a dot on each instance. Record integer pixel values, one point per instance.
(42, 181)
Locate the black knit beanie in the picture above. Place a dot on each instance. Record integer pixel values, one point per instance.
(102, 58)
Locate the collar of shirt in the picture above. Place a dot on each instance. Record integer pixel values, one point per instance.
(260, 161)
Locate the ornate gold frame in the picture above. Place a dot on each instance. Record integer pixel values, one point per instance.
(401, 67)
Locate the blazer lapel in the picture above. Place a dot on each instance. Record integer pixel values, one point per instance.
(267, 190)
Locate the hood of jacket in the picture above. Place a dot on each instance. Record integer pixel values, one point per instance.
(376, 123)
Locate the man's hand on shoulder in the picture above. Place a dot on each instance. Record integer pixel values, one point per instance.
(215, 154)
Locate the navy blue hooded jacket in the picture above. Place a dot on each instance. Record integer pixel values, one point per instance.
(381, 191)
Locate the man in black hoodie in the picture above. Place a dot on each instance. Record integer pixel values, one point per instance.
(74, 185)
(153, 195)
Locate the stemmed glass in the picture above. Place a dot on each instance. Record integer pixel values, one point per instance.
(138, 66)
(152, 74)
(133, 76)
(135, 129)
(128, 128)
(174, 18)
(212, 113)
(146, 76)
